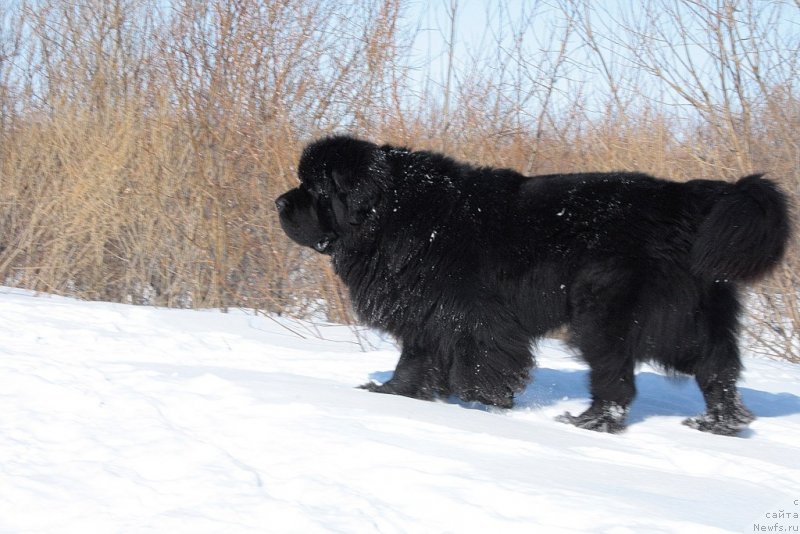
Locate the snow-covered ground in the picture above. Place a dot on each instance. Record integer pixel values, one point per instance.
(118, 418)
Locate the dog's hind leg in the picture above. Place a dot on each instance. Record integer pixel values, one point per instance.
(603, 324)
(612, 388)
(725, 413)
(718, 369)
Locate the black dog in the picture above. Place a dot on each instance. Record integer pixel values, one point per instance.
(467, 265)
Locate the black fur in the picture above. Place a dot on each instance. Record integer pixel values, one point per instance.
(466, 266)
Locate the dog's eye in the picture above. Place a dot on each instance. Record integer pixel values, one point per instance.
(322, 197)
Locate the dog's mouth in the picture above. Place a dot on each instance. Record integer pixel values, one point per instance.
(324, 244)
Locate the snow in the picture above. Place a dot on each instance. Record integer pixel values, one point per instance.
(117, 418)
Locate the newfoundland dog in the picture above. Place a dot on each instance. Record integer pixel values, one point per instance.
(466, 266)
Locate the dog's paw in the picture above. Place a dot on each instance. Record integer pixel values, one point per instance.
(373, 386)
(730, 425)
(395, 387)
(728, 420)
(503, 400)
(611, 420)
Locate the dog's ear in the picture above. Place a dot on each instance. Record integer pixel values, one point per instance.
(355, 199)
(360, 186)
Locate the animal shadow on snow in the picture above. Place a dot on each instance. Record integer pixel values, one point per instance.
(657, 395)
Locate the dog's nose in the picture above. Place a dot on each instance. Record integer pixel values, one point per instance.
(281, 203)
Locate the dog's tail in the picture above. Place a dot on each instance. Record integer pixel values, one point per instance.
(745, 234)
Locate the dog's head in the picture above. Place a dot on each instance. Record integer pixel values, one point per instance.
(342, 182)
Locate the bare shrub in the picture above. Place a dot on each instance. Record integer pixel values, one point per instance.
(142, 142)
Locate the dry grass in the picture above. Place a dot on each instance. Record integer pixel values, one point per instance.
(142, 143)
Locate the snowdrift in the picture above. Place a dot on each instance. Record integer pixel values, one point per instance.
(118, 418)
